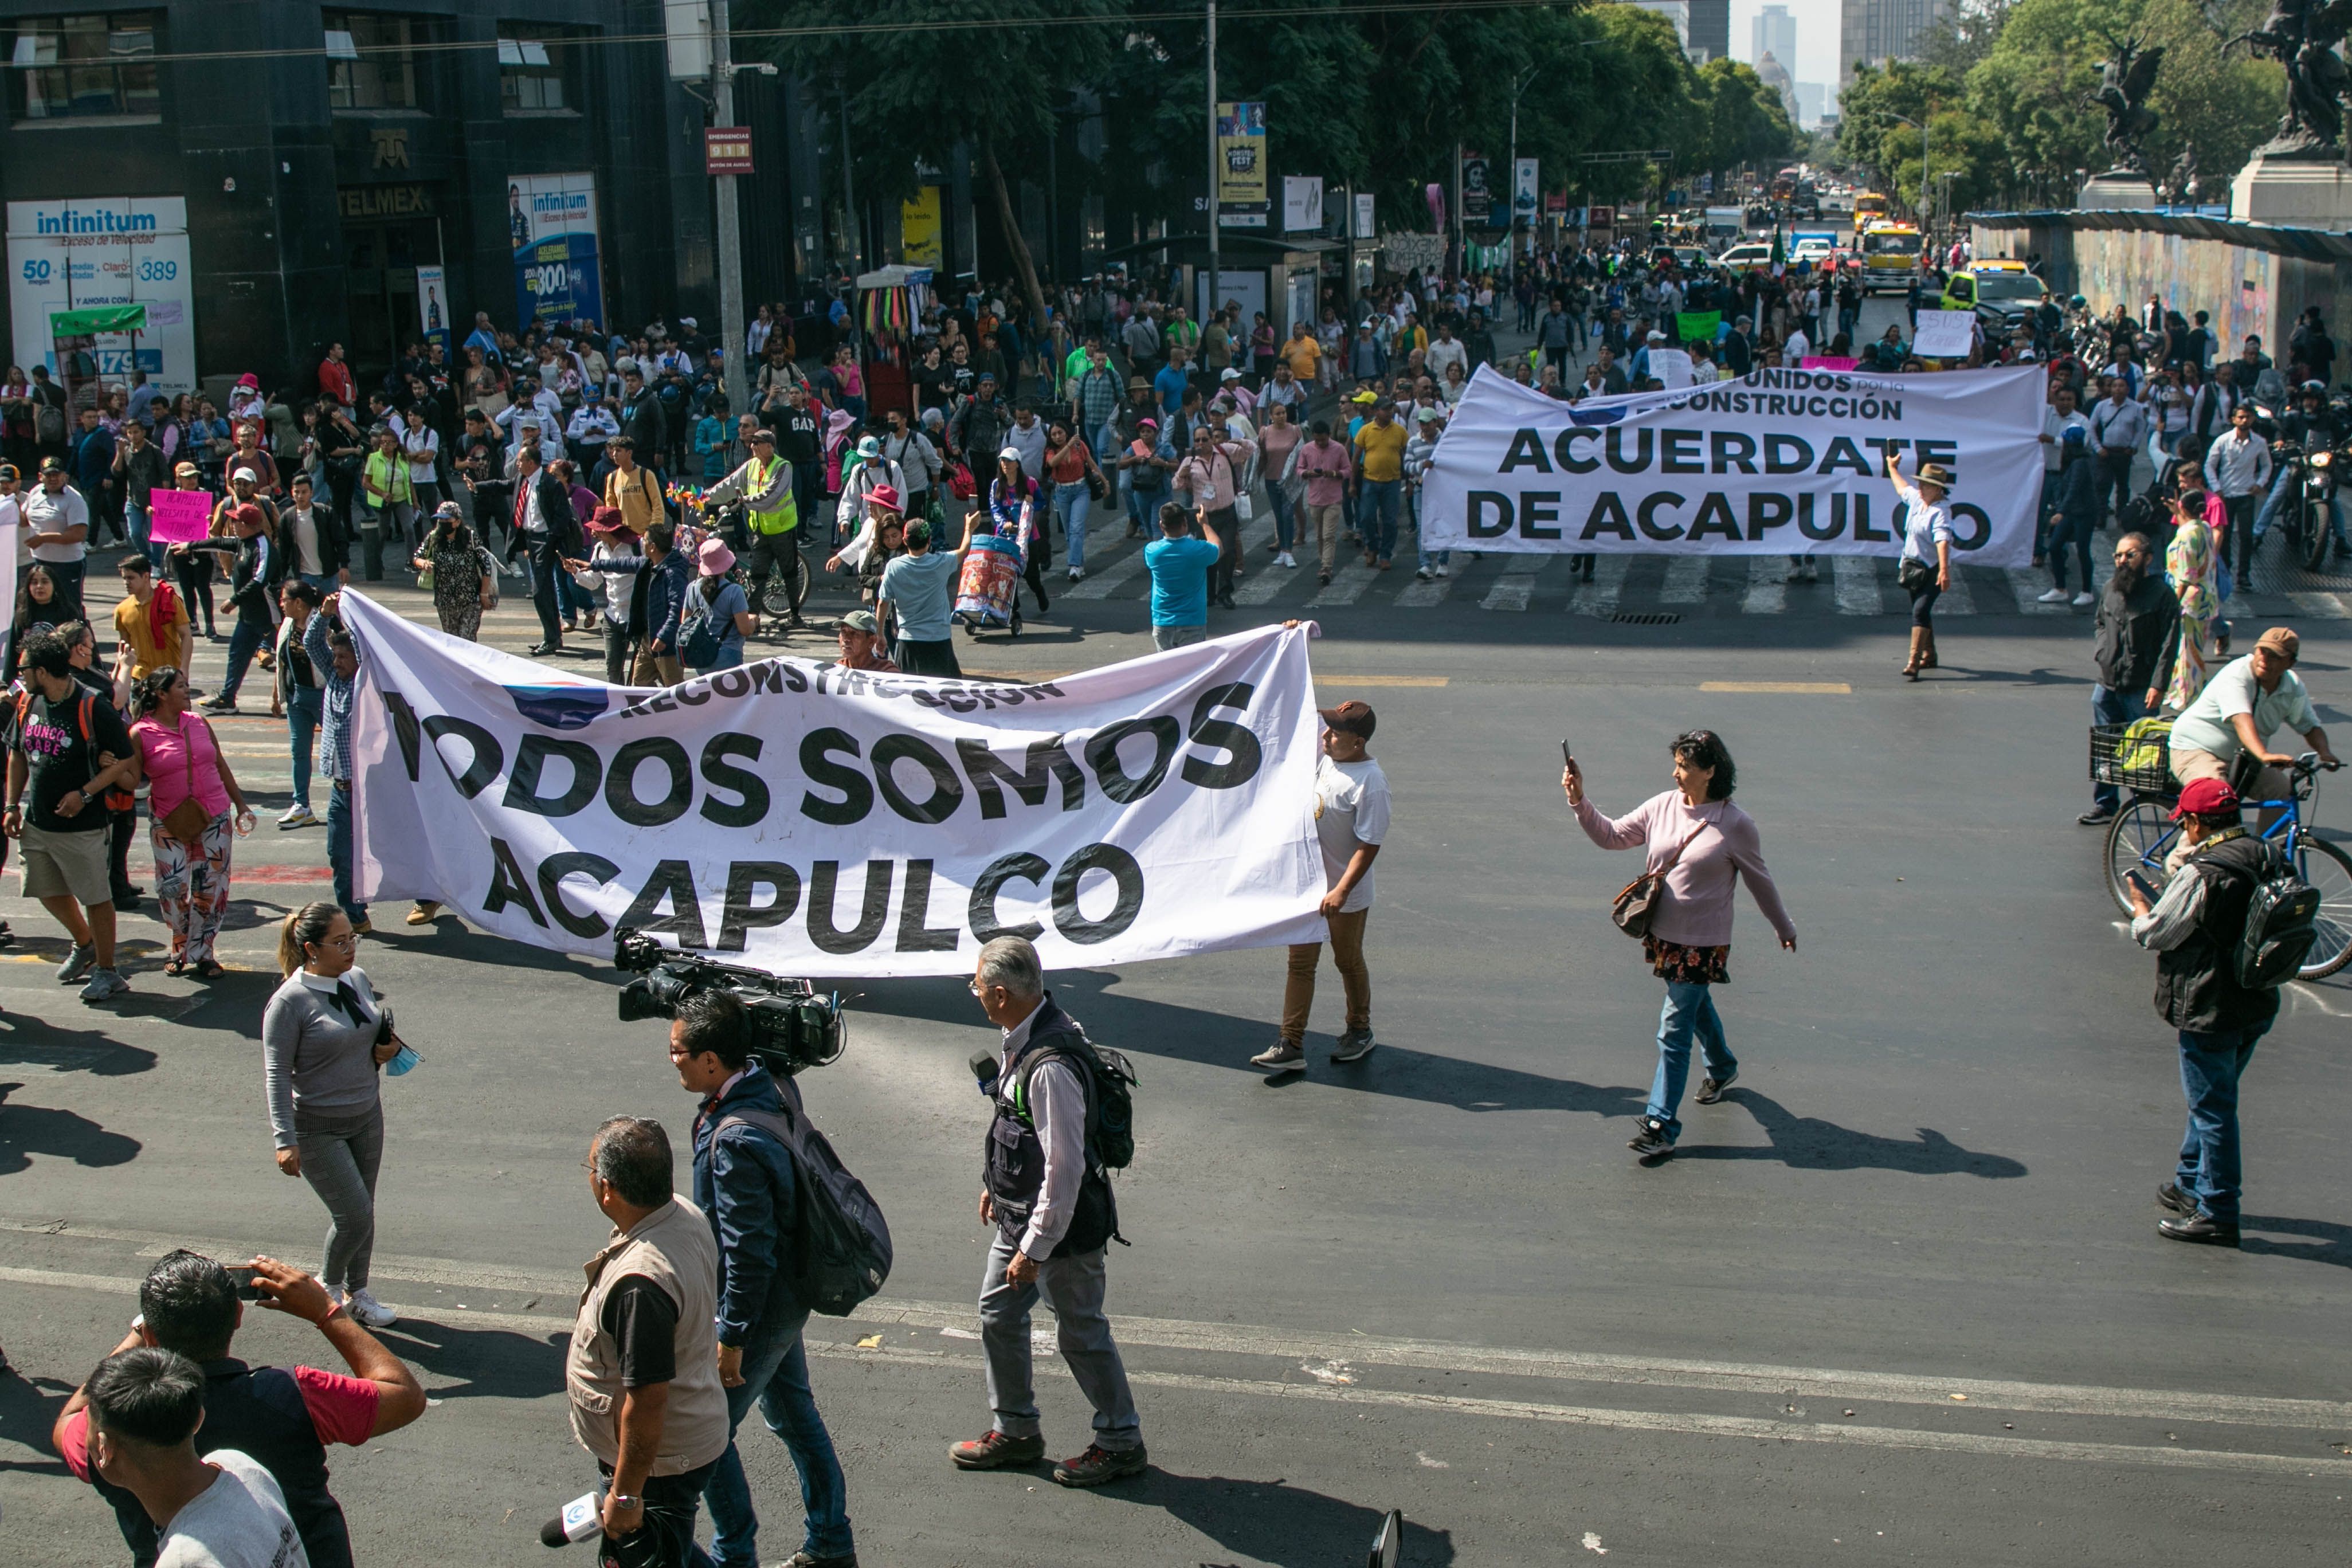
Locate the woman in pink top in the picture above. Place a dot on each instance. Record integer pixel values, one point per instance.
(183, 761)
(1703, 844)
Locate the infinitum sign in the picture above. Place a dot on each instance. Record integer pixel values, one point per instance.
(105, 250)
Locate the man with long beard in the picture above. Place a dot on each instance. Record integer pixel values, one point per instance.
(2134, 651)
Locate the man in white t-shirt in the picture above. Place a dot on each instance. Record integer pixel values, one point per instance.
(2242, 705)
(1351, 819)
(223, 1510)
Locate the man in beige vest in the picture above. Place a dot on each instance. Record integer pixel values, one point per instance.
(643, 1371)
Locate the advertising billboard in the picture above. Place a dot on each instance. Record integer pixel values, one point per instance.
(92, 251)
(551, 223)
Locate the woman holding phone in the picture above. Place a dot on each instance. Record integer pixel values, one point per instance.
(325, 1038)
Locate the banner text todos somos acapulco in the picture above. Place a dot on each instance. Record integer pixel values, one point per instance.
(820, 823)
(1778, 462)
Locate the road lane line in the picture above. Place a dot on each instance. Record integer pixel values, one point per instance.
(1347, 584)
(1103, 582)
(1957, 600)
(1857, 586)
(1828, 687)
(1599, 598)
(1516, 585)
(1685, 581)
(2325, 607)
(1767, 586)
(1325, 677)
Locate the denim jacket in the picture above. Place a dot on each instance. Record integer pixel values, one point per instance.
(744, 1181)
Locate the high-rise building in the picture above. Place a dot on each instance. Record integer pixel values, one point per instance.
(1773, 32)
(1678, 12)
(1710, 31)
(1874, 31)
(1813, 102)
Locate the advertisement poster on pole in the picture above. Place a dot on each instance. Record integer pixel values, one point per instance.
(83, 253)
(918, 230)
(433, 303)
(1364, 229)
(1302, 203)
(1241, 153)
(551, 223)
(1524, 182)
(1478, 196)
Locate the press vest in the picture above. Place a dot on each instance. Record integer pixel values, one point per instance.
(673, 1247)
(258, 1411)
(1013, 1160)
(2197, 988)
(785, 517)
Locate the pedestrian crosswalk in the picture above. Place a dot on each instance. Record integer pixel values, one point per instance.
(1685, 587)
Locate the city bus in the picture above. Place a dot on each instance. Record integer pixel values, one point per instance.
(1890, 257)
(1869, 207)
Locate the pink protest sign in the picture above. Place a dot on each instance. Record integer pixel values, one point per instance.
(179, 517)
(1828, 361)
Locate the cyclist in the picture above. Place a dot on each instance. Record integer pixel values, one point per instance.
(772, 518)
(2247, 699)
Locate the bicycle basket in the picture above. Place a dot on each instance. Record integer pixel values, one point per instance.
(2132, 756)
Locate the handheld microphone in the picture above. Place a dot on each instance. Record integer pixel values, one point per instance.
(580, 1518)
(985, 1069)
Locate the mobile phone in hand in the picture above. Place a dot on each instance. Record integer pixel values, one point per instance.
(243, 1276)
(1567, 759)
(2146, 888)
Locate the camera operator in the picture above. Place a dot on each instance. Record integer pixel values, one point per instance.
(744, 1181)
(284, 1420)
(642, 1373)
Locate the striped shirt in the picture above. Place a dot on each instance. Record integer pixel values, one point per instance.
(335, 729)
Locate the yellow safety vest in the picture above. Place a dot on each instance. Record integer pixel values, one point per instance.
(783, 519)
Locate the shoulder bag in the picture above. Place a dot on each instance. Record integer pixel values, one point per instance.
(1637, 901)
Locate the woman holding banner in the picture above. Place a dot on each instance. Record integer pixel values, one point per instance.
(1926, 568)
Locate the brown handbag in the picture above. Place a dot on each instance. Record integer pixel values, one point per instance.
(187, 821)
(1637, 901)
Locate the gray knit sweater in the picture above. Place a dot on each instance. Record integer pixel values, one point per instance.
(317, 1065)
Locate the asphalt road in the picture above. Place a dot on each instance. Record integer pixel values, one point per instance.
(1900, 1297)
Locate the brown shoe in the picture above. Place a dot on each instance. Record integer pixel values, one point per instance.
(995, 1451)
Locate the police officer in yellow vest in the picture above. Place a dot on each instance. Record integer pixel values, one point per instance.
(773, 520)
(642, 1375)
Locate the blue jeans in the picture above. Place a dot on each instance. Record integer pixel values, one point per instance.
(2072, 530)
(775, 1374)
(1284, 518)
(339, 849)
(305, 707)
(1071, 504)
(135, 524)
(1376, 514)
(2282, 485)
(244, 642)
(2210, 1066)
(2110, 707)
(1143, 509)
(1428, 557)
(1689, 1010)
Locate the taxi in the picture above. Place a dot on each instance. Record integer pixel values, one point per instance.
(2002, 294)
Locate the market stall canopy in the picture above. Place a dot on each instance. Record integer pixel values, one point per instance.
(97, 320)
(894, 276)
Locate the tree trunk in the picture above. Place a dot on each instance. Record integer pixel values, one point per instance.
(1019, 243)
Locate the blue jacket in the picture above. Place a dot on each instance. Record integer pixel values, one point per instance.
(744, 1181)
(665, 584)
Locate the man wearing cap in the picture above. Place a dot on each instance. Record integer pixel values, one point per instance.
(2241, 706)
(2311, 426)
(2194, 930)
(861, 645)
(1351, 821)
(771, 514)
(56, 528)
(254, 578)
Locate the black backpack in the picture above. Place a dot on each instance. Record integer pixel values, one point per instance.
(1110, 1081)
(840, 1250)
(2282, 924)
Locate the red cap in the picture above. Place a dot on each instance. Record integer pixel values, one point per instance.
(2206, 797)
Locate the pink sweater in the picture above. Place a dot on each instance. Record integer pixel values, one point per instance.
(1697, 907)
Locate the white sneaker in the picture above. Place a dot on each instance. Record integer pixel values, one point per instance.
(1422, 573)
(1076, 574)
(1284, 560)
(2084, 600)
(298, 815)
(1439, 569)
(366, 1310)
(2055, 596)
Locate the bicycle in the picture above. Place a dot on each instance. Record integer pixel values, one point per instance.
(783, 592)
(2144, 834)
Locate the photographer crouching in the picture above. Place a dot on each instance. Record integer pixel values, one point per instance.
(743, 1182)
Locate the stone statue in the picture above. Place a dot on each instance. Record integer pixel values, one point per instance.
(2302, 36)
(2129, 72)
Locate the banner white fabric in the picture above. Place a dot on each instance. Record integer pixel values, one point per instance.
(1778, 462)
(811, 822)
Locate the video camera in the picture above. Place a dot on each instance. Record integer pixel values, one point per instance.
(793, 1027)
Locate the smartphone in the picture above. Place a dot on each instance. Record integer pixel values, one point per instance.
(243, 1276)
(2146, 888)
(1565, 759)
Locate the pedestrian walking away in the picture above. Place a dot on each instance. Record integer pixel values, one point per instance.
(1695, 843)
(1044, 1188)
(1351, 823)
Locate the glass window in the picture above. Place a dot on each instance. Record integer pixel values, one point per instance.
(536, 68)
(370, 62)
(84, 66)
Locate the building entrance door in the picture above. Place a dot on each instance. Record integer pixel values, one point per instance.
(388, 230)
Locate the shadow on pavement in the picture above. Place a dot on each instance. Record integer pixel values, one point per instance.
(495, 1363)
(2329, 1242)
(32, 1042)
(1140, 1026)
(29, 1129)
(27, 1410)
(1810, 1143)
(1273, 1522)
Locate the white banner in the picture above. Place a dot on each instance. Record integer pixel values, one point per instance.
(1945, 334)
(814, 822)
(1778, 462)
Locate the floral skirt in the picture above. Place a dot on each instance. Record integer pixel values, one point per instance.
(1678, 965)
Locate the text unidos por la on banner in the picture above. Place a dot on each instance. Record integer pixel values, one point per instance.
(809, 821)
(1778, 462)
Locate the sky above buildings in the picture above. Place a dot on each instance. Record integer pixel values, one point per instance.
(1817, 37)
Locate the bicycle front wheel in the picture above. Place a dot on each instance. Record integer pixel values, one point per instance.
(2138, 840)
(2330, 869)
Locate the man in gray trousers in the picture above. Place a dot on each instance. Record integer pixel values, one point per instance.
(1044, 1189)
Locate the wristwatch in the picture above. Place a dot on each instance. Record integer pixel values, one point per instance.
(626, 1504)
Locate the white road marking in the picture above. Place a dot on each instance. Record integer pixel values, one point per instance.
(1857, 585)
(1599, 598)
(1685, 580)
(1957, 600)
(2027, 585)
(2326, 606)
(1767, 586)
(1103, 581)
(1423, 594)
(1347, 584)
(1516, 585)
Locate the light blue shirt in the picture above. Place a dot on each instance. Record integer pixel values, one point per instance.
(1180, 579)
(922, 588)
